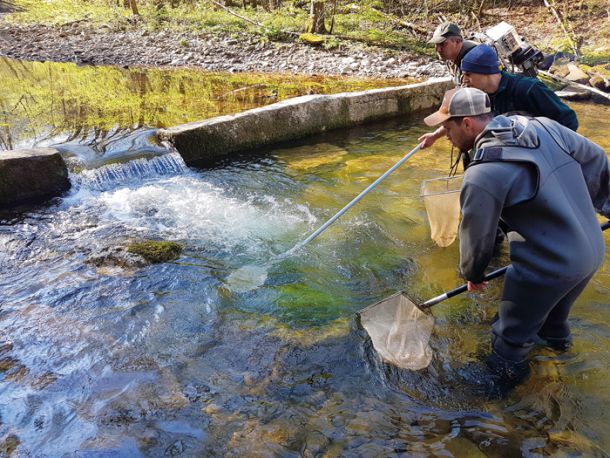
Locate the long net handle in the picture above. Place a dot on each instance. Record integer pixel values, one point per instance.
(354, 201)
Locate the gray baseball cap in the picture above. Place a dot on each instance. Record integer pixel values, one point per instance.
(458, 102)
(444, 31)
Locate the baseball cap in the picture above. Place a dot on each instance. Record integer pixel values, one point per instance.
(481, 59)
(444, 31)
(461, 101)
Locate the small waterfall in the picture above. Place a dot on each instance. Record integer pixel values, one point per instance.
(112, 175)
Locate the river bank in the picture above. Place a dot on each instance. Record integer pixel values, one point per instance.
(236, 52)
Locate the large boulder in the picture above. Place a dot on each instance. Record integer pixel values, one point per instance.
(599, 82)
(31, 176)
(577, 74)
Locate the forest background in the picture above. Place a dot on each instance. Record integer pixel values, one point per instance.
(581, 27)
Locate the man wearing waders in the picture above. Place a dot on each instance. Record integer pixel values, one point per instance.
(546, 183)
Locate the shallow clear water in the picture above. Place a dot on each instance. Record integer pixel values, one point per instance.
(113, 359)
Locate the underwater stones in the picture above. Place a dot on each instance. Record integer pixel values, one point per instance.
(213, 409)
(177, 448)
(31, 176)
(260, 438)
(316, 444)
(155, 251)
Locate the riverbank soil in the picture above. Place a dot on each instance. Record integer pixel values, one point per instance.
(382, 39)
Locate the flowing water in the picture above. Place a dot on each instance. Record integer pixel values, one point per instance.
(110, 358)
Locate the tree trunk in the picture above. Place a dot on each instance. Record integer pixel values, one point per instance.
(133, 5)
(315, 23)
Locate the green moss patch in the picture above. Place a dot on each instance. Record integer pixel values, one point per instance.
(156, 251)
(312, 39)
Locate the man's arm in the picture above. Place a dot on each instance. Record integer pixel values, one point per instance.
(594, 163)
(480, 215)
(431, 137)
(546, 103)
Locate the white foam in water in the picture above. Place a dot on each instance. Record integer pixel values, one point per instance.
(185, 207)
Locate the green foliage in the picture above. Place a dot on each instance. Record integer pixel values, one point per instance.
(595, 58)
(559, 42)
(64, 11)
(155, 251)
(273, 33)
(332, 42)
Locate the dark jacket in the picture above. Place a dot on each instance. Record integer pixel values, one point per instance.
(518, 93)
(454, 67)
(546, 182)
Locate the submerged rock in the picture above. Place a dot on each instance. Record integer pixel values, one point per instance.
(9, 445)
(155, 251)
(116, 257)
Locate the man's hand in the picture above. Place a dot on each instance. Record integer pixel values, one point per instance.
(429, 138)
(477, 286)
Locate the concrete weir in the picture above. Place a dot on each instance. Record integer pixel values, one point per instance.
(299, 117)
(31, 176)
(35, 175)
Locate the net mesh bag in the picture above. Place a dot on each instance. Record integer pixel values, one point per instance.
(400, 332)
(442, 201)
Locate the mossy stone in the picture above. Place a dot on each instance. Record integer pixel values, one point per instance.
(312, 39)
(155, 251)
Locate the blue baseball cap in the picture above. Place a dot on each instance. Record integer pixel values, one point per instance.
(481, 59)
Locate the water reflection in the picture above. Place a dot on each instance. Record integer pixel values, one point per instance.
(101, 114)
(125, 360)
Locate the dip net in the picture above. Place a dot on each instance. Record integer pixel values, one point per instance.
(400, 331)
(442, 201)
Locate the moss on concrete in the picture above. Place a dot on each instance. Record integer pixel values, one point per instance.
(155, 251)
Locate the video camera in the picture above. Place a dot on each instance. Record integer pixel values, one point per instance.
(517, 52)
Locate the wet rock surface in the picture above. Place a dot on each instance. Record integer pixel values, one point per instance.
(80, 43)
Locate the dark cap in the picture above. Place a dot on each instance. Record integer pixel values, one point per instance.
(444, 31)
(481, 59)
